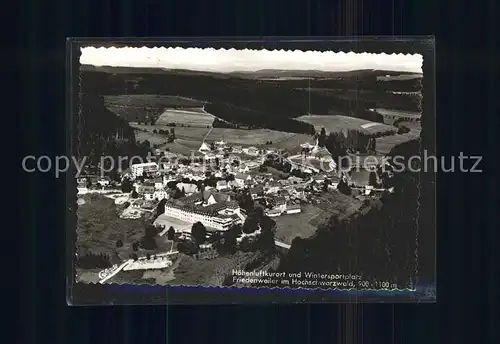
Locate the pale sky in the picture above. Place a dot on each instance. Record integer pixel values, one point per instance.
(231, 60)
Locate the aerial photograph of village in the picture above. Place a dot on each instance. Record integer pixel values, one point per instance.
(236, 168)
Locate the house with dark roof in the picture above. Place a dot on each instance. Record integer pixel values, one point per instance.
(146, 188)
(272, 187)
(257, 191)
(319, 178)
(241, 178)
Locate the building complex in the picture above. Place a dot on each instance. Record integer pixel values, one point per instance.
(213, 209)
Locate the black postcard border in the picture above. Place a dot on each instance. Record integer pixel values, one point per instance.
(133, 294)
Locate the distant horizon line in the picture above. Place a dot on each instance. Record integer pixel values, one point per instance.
(255, 71)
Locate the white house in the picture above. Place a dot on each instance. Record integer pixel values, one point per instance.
(222, 185)
(237, 149)
(293, 209)
(253, 164)
(319, 179)
(272, 188)
(232, 184)
(158, 183)
(257, 191)
(241, 178)
(307, 145)
(254, 151)
(243, 168)
(220, 144)
(103, 182)
(139, 169)
(160, 194)
(368, 189)
(280, 203)
(209, 157)
(149, 196)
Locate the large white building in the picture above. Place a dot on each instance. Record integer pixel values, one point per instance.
(139, 169)
(212, 209)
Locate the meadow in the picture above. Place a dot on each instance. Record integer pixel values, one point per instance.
(193, 117)
(153, 138)
(301, 225)
(257, 137)
(99, 228)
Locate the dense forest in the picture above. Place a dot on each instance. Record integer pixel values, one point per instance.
(246, 118)
(379, 244)
(257, 102)
(100, 132)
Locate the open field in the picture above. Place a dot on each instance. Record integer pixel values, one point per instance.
(306, 223)
(178, 148)
(192, 118)
(190, 138)
(247, 137)
(337, 123)
(280, 140)
(385, 144)
(154, 139)
(99, 227)
(301, 225)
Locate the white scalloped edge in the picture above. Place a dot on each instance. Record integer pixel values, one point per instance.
(296, 51)
(178, 57)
